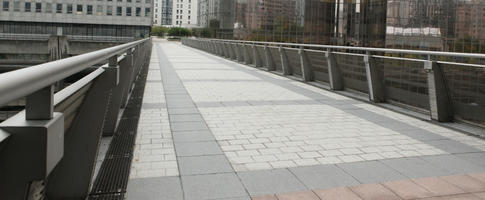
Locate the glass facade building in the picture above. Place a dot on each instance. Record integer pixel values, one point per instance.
(445, 25)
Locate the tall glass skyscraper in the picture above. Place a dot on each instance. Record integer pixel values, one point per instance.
(445, 25)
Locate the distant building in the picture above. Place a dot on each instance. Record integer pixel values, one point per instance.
(116, 18)
(184, 13)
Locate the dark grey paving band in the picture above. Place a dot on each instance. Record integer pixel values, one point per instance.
(204, 169)
(427, 137)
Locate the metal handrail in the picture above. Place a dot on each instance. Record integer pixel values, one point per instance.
(22, 82)
(371, 49)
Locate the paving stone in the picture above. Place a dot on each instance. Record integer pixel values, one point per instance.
(453, 164)
(341, 193)
(406, 189)
(270, 182)
(452, 146)
(197, 148)
(188, 126)
(371, 172)
(180, 111)
(186, 118)
(306, 195)
(265, 197)
(475, 158)
(414, 167)
(204, 165)
(193, 136)
(323, 176)
(161, 188)
(466, 183)
(480, 177)
(437, 186)
(212, 186)
(374, 192)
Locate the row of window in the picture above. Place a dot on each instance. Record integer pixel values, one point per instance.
(69, 9)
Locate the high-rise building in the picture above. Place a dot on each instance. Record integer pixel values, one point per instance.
(445, 25)
(184, 13)
(117, 18)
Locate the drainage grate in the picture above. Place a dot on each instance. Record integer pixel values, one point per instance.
(112, 180)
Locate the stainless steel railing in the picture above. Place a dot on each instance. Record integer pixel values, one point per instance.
(447, 85)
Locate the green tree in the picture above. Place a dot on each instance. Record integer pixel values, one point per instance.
(159, 31)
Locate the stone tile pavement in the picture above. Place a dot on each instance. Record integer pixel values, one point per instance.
(216, 129)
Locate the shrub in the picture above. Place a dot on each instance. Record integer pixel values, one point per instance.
(178, 31)
(159, 31)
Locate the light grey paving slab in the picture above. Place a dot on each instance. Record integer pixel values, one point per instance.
(371, 172)
(213, 186)
(452, 146)
(475, 158)
(188, 126)
(160, 188)
(415, 167)
(323, 176)
(270, 182)
(453, 164)
(193, 136)
(186, 118)
(422, 135)
(197, 165)
(197, 148)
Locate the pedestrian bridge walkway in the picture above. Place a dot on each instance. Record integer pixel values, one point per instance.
(211, 128)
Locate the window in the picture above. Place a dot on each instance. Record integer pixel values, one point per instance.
(99, 10)
(27, 6)
(6, 4)
(128, 11)
(148, 1)
(38, 7)
(129, 1)
(109, 10)
(69, 8)
(16, 6)
(79, 9)
(48, 7)
(119, 9)
(89, 9)
(147, 12)
(59, 8)
(138, 11)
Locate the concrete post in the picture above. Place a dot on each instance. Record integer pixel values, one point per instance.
(375, 79)
(82, 142)
(40, 104)
(32, 151)
(335, 77)
(233, 49)
(441, 108)
(257, 59)
(284, 62)
(241, 51)
(306, 68)
(247, 58)
(269, 59)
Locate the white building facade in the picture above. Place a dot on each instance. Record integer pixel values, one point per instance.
(184, 13)
(124, 18)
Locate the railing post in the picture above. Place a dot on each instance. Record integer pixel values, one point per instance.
(240, 48)
(441, 108)
(32, 151)
(306, 69)
(81, 145)
(335, 77)
(269, 60)
(226, 51)
(284, 61)
(131, 71)
(257, 59)
(233, 51)
(375, 79)
(247, 58)
(237, 54)
(40, 104)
